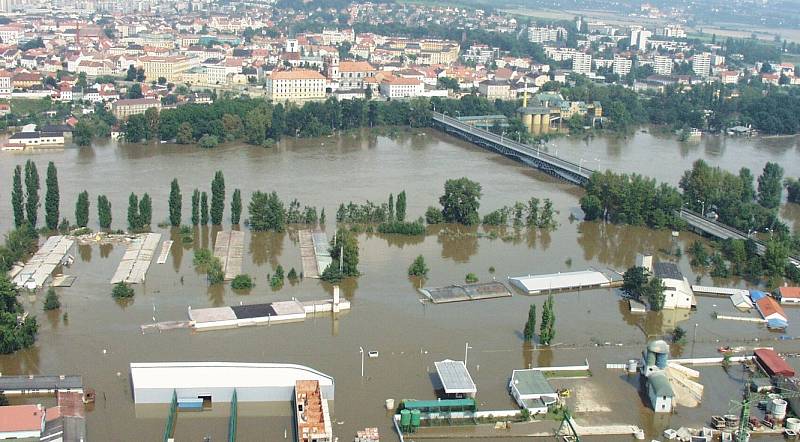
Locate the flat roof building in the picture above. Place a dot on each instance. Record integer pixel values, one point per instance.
(534, 284)
(531, 390)
(154, 383)
(455, 378)
(21, 422)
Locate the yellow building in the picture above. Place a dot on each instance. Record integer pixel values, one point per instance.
(296, 86)
(169, 67)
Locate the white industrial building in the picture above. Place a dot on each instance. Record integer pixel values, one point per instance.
(531, 390)
(585, 279)
(154, 383)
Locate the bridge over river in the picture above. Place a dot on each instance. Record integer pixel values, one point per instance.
(572, 172)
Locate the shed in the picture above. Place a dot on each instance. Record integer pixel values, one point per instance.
(741, 300)
(755, 295)
(789, 295)
(455, 378)
(770, 309)
(531, 390)
(772, 363)
(660, 392)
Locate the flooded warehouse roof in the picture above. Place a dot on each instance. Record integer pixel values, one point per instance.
(455, 377)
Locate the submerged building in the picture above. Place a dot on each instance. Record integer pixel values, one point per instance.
(155, 383)
(653, 367)
(311, 413)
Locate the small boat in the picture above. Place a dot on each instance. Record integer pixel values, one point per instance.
(373, 353)
(725, 349)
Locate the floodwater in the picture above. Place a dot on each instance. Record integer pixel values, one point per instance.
(101, 337)
(662, 157)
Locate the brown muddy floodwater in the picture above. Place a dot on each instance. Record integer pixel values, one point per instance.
(102, 337)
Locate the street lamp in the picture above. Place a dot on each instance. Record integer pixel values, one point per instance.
(703, 207)
(466, 352)
(361, 350)
(580, 165)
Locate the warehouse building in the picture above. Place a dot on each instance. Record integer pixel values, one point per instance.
(154, 383)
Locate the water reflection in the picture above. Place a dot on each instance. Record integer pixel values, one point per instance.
(85, 252)
(105, 249)
(266, 247)
(459, 243)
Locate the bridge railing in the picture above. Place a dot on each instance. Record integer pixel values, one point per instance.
(510, 143)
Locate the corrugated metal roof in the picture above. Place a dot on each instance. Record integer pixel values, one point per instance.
(455, 377)
(667, 270)
(412, 405)
(531, 382)
(773, 363)
(560, 281)
(660, 384)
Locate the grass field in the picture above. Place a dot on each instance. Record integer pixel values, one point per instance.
(27, 107)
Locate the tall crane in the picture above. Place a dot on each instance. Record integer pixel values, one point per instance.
(786, 390)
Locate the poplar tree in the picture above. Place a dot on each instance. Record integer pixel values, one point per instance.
(195, 207)
(547, 329)
(175, 203)
(133, 212)
(400, 211)
(145, 211)
(530, 324)
(217, 198)
(31, 192)
(82, 209)
(322, 217)
(236, 207)
(204, 208)
(104, 211)
(391, 207)
(51, 197)
(18, 198)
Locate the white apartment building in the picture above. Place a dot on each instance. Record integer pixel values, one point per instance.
(701, 64)
(542, 34)
(671, 31)
(399, 87)
(297, 85)
(662, 65)
(5, 84)
(582, 63)
(639, 38)
(10, 35)
(621, 66)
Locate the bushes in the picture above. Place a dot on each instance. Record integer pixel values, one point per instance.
(276, 281)
(418, 267)
(51, 301)
(242, 282)
(433, 216)
(202, 257)
(402, 228)
(122, 290)
(471, 278)
(215, 273)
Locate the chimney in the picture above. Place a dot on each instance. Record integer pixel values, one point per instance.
(336, 299)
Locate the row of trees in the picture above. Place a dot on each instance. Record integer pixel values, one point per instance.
(259, 122)
(631, 199)
(140, 212)
(735, 198)
(524, 214)
(547, 328)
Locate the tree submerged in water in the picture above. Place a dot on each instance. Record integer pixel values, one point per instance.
(51, 301)
(122, 290)
(418, 267)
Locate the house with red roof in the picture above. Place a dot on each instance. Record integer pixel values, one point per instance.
(789, 295)
(21, 421)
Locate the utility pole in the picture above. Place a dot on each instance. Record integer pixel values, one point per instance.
(466, 352)
(361, 350)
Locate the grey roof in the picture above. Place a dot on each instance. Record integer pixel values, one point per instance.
(531, 382)
(40, 382)
(24, 135)
(660, 384)
(668, 270)
(455, 377)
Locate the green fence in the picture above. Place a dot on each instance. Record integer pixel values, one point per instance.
(233, 418)
(169, 431)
